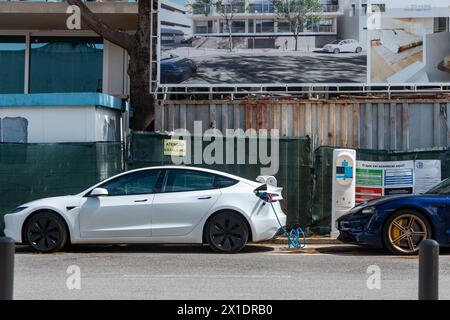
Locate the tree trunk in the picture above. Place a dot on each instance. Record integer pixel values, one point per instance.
(296, 42)
(230, 36)
(141, 97)
(141, 100)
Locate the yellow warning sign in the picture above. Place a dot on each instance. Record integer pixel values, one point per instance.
(174, 148)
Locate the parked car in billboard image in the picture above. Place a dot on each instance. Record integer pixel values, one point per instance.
(338, 46)
(176, 69)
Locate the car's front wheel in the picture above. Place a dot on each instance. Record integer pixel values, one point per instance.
(404, 231)
(358, 50)
(336, 51)
(45, 232)
(227, 232)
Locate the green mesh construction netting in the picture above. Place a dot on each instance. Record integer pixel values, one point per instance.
(33, 171)
(294, 174)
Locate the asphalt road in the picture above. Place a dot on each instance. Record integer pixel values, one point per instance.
(189, 272)
(285, 67)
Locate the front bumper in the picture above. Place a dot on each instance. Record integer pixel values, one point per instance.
(357, 230)
(13, 223)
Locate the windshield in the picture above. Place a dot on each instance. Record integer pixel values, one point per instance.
(441, 188)
(335, 42)
(167, 56)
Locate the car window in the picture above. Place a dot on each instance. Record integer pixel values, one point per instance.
(223, 182)
(441, 188)
(140, 182)
(187, 180)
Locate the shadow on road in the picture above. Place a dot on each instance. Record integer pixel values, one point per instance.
(145, 248)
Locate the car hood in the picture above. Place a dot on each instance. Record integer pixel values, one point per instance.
(70, 200)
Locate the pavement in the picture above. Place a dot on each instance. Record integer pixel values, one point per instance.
(261, 271)
(274, 66)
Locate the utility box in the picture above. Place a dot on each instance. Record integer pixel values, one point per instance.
(343, 185)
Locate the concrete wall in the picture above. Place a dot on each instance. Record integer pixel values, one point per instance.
(67, 124)
(115, 65)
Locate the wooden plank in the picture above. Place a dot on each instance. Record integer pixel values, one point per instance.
(248, 116)
(448, 124)
(319, 123)
(171, 117)
(393, 126)
(297, 119)
(356, 124)
(159, 116)
(237, 116)
(331, 132)
(380, 126)
(212, 116)
(284, 119)
(308, 120)
(259, 117)
(182, 124)
(343, 127)
(405, 126)
(436, 125)
(224, 117)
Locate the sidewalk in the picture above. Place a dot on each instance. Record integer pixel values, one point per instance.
(310, 240)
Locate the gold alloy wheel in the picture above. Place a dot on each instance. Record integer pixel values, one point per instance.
(406, 232)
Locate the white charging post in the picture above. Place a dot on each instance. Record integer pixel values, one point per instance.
(344, 181)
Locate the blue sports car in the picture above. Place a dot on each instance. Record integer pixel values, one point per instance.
(400, 222)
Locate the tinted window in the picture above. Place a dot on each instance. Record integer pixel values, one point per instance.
(441, 188)
(140, 182)
(223, 182)
(186, 180)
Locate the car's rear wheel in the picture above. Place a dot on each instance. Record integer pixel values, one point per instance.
(227, 232)
(46, 232)
(404, 231)
(358, 50)
(336, 51)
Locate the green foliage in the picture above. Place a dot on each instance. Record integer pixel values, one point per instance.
(226, 8)
(298, 12)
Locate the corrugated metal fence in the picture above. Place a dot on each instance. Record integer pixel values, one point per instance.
(403, 124)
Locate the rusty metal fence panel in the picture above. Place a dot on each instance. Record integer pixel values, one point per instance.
(404, 124)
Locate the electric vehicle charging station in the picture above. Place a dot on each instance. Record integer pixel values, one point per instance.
(344, 185)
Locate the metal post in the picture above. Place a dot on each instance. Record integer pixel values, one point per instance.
(7, 249)
(429, 270)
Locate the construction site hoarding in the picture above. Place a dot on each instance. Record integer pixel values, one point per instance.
(339, 42)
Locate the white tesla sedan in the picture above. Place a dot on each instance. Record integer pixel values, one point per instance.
(347, 45)
(170, 204)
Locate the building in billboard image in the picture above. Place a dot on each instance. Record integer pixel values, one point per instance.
(257, 25)
(259, 41)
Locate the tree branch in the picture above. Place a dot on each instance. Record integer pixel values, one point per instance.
(117, 37)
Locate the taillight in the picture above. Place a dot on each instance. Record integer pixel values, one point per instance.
(267, 197)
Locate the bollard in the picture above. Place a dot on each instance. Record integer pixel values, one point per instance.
(429, 270)
(7, 248)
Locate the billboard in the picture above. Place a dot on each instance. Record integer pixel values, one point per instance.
(347, 42)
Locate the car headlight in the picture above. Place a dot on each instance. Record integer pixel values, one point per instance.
(18, 209)
(368, 211)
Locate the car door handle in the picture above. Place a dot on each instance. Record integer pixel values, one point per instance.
(204, 198)
(143, 200)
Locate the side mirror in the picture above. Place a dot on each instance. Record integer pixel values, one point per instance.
(98, 192)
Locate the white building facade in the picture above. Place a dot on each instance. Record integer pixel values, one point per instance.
(257, 24)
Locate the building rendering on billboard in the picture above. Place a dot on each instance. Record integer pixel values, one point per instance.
(246, 42)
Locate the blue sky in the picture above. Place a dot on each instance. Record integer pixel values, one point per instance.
(180, 2)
